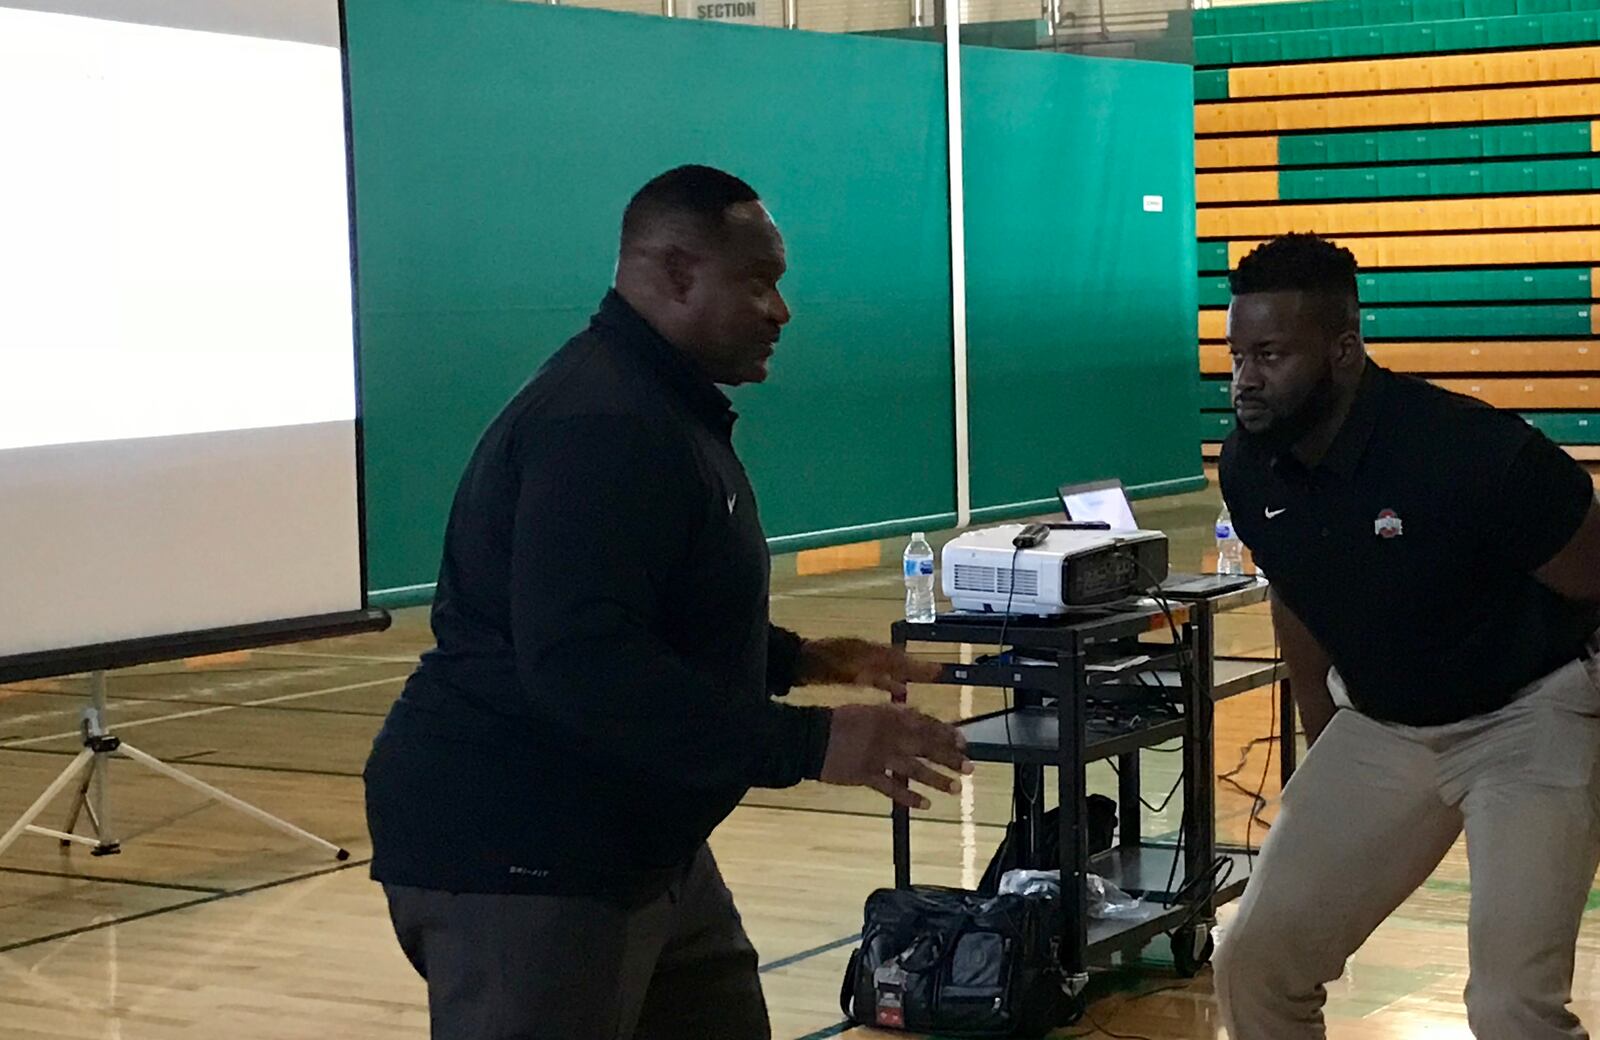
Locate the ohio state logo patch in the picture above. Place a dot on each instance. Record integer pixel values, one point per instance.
(1388, 525)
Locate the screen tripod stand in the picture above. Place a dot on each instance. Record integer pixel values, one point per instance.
(89, 769)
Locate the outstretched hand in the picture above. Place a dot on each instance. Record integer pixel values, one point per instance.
(856, 662)
(883, 746)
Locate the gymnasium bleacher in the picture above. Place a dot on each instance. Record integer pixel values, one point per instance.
(1451, 145)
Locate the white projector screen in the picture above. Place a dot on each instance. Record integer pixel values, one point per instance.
(178, 402)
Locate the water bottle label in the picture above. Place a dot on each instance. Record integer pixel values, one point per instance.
(915, 568)
(1224, 532)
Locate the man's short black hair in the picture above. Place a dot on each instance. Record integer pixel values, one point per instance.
(1296, 262)
(1302, 262)
(699, 194)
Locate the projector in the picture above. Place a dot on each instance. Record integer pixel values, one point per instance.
(1070, 568)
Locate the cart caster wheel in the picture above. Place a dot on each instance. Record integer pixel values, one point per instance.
(1191, 950)
(1072, 1011)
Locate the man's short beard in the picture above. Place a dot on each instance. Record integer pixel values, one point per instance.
(1285, 431)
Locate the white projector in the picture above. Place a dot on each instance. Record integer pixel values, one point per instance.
(1070, 568)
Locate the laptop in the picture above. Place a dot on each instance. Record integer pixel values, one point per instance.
(1106, 501)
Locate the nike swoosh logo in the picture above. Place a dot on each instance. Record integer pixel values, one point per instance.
(1273, 514)
(732, 500)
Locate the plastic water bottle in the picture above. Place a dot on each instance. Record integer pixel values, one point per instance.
(1230, 551)
(919, 580)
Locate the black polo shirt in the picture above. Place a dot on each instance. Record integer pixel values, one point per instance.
(1407, 551)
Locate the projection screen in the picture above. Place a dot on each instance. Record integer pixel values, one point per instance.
(179, 445)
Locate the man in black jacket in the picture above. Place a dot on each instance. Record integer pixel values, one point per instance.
(601, 695)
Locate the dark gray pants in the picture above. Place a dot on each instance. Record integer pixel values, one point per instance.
(525, 967)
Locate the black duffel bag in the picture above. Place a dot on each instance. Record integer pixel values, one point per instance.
(957, 963)
(1102, 827)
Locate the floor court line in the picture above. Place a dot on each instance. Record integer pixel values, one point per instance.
(805, 955)
(187, 904)
(135, 882)
(214, 709)
(369, 658)
(247, 767)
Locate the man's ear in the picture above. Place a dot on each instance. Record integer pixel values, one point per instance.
(679, 265)
(1348, 350)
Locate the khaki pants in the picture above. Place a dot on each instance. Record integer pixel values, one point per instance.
(1369, 815)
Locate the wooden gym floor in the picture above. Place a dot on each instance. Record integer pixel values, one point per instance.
(210, 925)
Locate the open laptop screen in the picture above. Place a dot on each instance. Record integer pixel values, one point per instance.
(1099, 500)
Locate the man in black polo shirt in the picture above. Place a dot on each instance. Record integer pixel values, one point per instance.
(602, 692)
(1435, 568)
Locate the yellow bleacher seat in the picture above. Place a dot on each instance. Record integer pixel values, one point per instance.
(1577, 63)
(1533, 394)
(1414, 73)
(1482, 356)
(1236, 187)
(1459, 106)
(1462, 107)
(1415, 216)
(1566, 211)
(1469, 250)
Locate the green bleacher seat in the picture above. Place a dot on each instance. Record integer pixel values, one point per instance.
(1311, 45)
(1561, 427)
(1489, 8)
(1258, 48)
(1330, 14)
(1214, 291)
(1384, 12)
(1210, 85)
(1213, 256)
(1402, 39)
(1214, 395)
(1516, 31)
(1516, 320)
(1450, 286)
(1213, 50)
(1487, 140)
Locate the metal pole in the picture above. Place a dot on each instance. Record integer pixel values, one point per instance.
(899, 815)
(99, 811)
(951, 12)
(791, 14)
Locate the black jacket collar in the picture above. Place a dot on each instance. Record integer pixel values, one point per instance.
(629, 328)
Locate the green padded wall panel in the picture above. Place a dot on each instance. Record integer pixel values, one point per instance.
(1081, 302)
(492, 164)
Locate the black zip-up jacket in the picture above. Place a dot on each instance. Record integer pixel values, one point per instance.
(601, 692)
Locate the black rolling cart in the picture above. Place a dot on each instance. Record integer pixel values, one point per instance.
(1089, 687)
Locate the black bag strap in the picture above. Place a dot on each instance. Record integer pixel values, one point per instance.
(847, 991)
